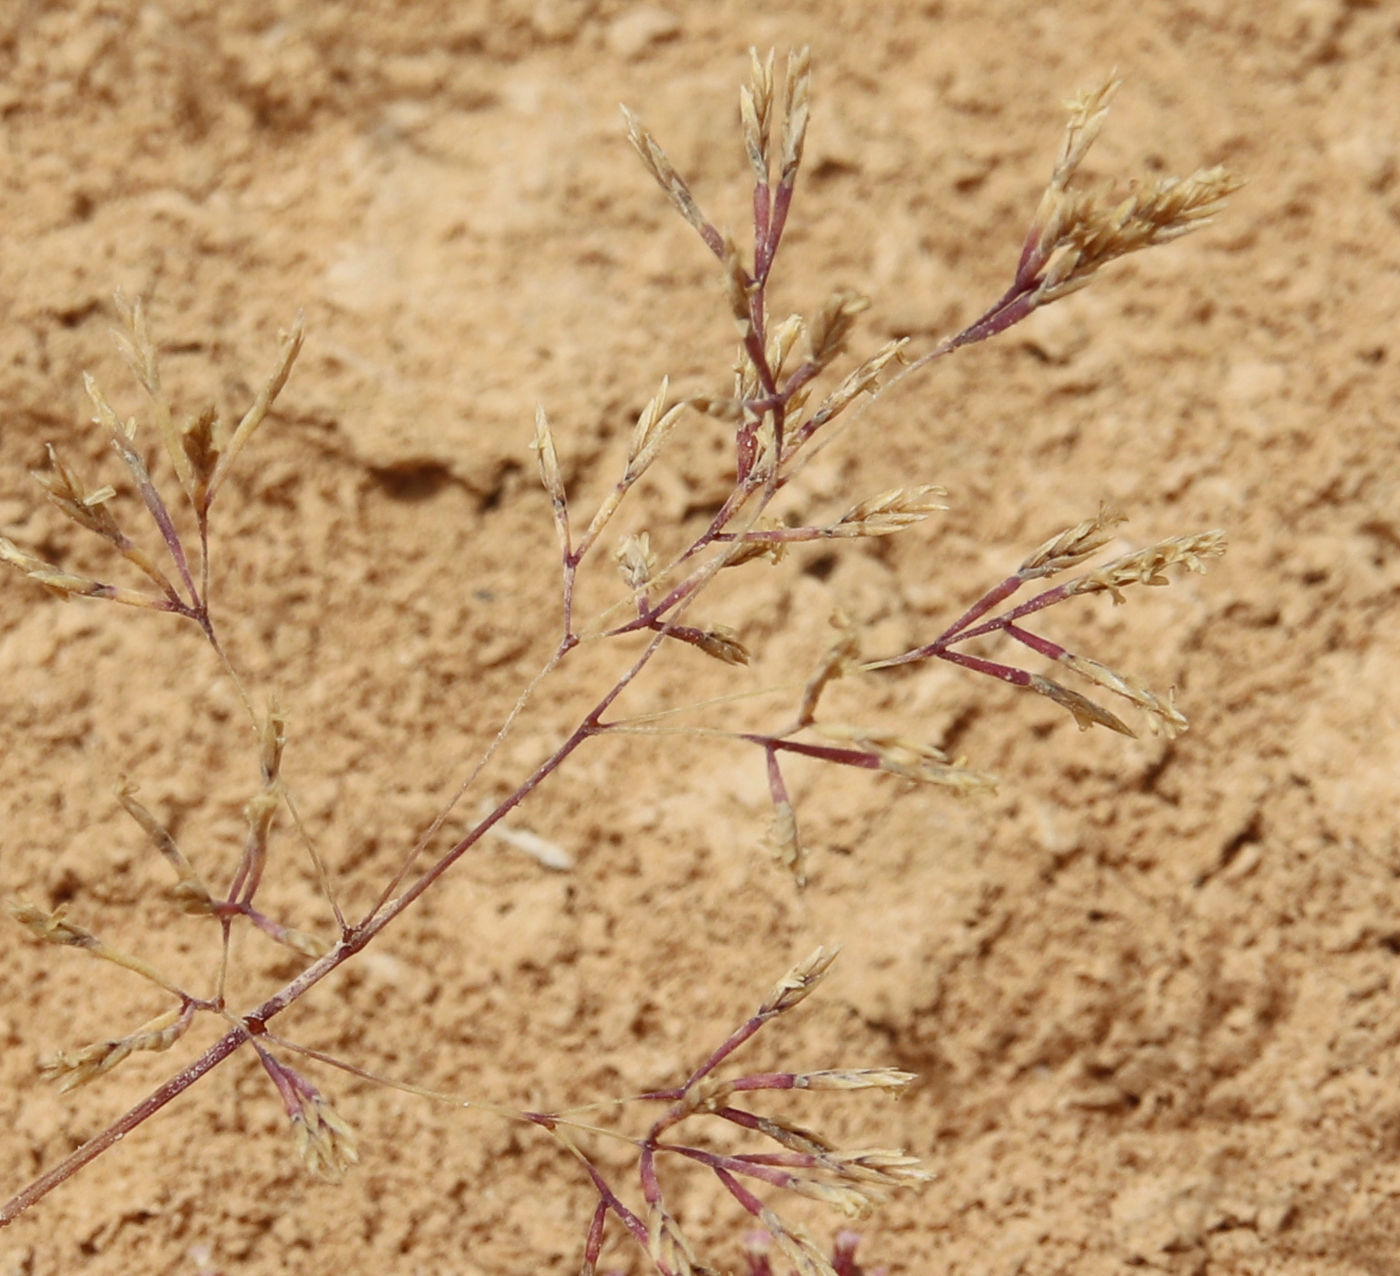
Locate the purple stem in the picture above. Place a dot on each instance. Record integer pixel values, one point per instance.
(1007, 673)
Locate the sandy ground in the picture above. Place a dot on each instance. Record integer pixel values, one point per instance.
(1146, 985)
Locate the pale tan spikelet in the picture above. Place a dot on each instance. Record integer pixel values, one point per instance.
(289, 343)
(138, 348)
(890, 511)
(200, 439)
(656, 422)
(1149, 566)
(272, 740)
(772, 550)
(667, 1245)
(136, 344)
(756, 113)
(86, 508)
(71, 1069)
(800, 982)
(52, 926)
(548, 460)
(850, 1199)
(636, 560)
(798, 1246)
(1087, 114)
(784, 844)
(832, 324)
(793, 1137)
(1072, 546)
(911, 759)
(324, 1140)
(259, 811)
(1164, 715)
(841, 658)
(648, 419)
(720, 408)
(52, 577)
(782, 339)
(797, 401)
(1086, 712)
(723, 644)
(299, 941)
(865, 379)
(856, 1079)
(738, 287)
(105, 415)
(891, 1167)
(797, 85)
(660, 167)
(1094, 232)
(190, 893)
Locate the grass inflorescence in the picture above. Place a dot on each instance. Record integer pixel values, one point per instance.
(794, 380)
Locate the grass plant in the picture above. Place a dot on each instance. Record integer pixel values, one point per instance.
(794, 387)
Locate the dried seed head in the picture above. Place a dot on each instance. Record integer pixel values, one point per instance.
(272, 739)
(545, 455)
(667, 1245)
(849, 1199)
(1086, 712)
(781, 340)
(648, 420)
(888, 1166)
(1147, 566)
(1087, 114)
(1093, 231)
(796, 89)
(756, 113)
(136, 344)
(738, 286)
(636, 560)
(1164, 716)
(772, 550)
(52, 927)
(890, 511)
(841, 658)
(798, 1247)
(911, 759)
(324, 1140)
(105, 415)
(71, 1069)
(200, 440)
(863, 380)
(86, 508)
(660, 167)
(656, 423)
(832, 324)
(723, 644)
(49, 575)
(856, 1079)
(190, 893)
(795, 987)
(289, 343)
(782, 840)
(1072, 546)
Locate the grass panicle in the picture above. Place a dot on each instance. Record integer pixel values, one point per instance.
(793, 378)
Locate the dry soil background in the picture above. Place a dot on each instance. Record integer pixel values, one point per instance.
(1149, 988)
